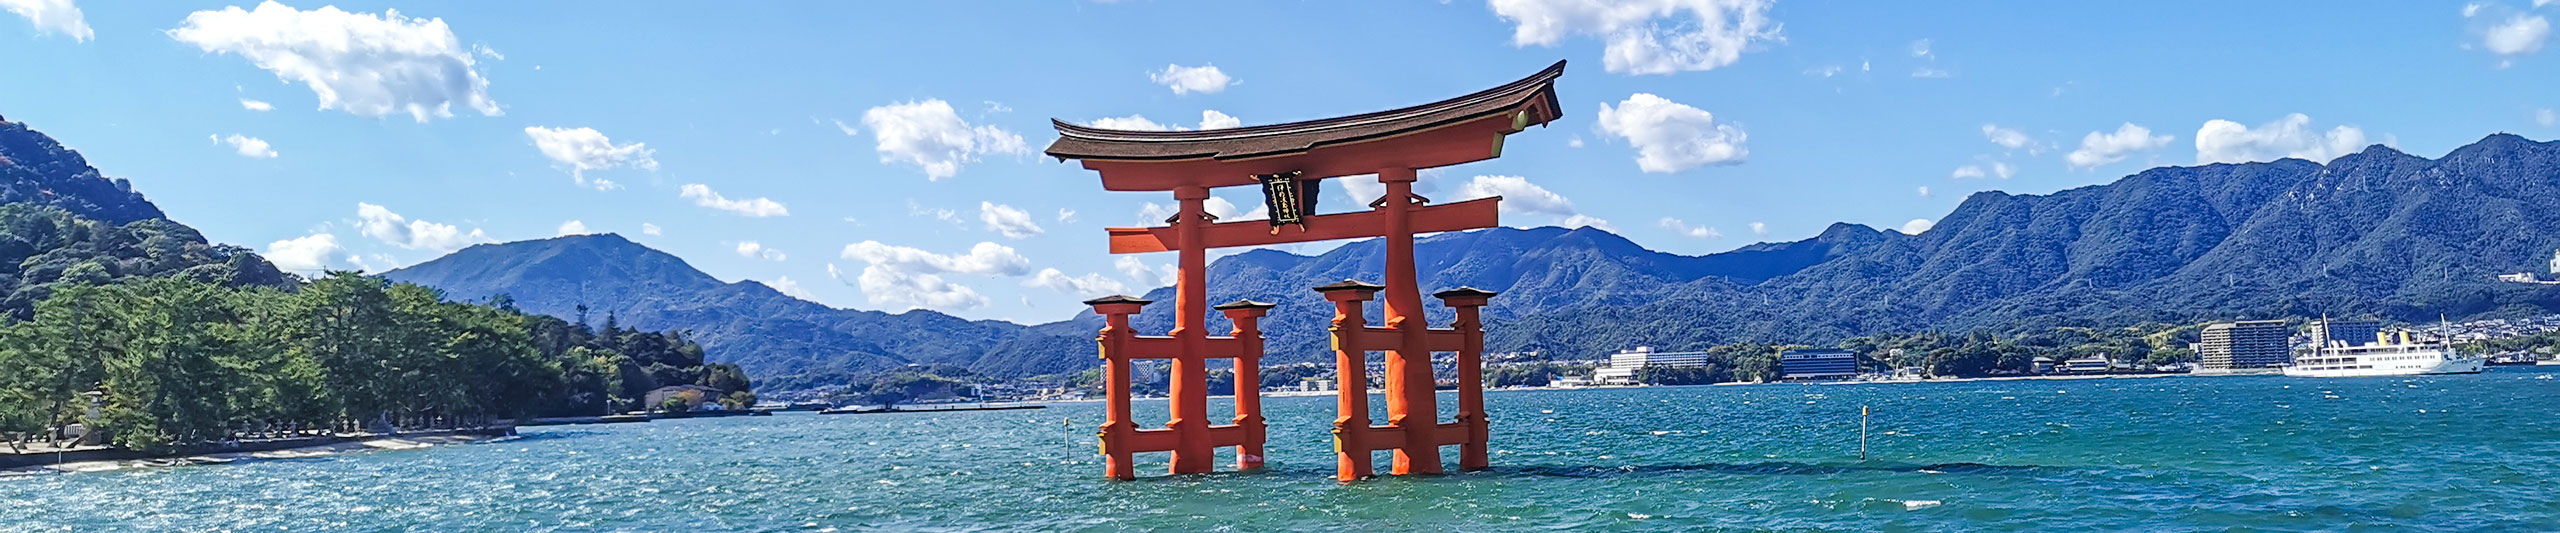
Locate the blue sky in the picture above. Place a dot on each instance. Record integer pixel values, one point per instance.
(881, 155)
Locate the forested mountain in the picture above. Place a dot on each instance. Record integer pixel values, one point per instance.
(2375, 232)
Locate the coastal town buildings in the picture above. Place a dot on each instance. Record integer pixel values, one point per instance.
(2351, 332)
(1817, 364)
(2244, 346)
(1623, 365)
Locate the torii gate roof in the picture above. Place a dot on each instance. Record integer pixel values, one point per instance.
(1448, 132)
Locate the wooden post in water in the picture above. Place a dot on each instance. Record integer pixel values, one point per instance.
(1862, 433)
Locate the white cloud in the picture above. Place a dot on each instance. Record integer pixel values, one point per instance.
(1824, 71)
(2003, 169)
(1575, 142)
(1137, 269)
(986, 258)
(307, 254)
(1647, 36)
(1005, 219)
(787, 287)
(1203, 79)
(1986, 169)
(2223, 141)
(381, 224)
(903, 277)
(1362, 188)
(2507, 32)
(650, 229)
(572, 227)
(365, 64)
(249, 147)
(1932, 73)
(582, 149)
(1967, 172)
(2011, 139)
(1672, 137)
(1760, 229)
(252, 105)
(702, 195)
(755, 250)
(1581, 221)
(1917, 225)
(1154, 213)
(1924, 191)
(1518, 195)
(1088, 285)
(52, 16)
(2099, 148)
(1066, 215)
(1920, 49)
(2546, 117)
(929, 135)
(1211, 119)
(848, 130)
(1700, 232)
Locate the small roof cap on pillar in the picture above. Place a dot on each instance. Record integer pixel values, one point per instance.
(1464, 292)
(1118, 299)
(1350, 285)
(1244, 304)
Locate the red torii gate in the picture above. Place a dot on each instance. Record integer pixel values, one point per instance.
(1288, 161)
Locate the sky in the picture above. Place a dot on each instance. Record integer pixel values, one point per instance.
(886, 155)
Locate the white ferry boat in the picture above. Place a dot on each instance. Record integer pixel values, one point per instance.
(2403, 358)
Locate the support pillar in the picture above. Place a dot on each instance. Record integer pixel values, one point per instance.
(1247, 315)
(1117, 428)
(1412, 406)
(1351, 378)
(1188, 391)
(1471, 416)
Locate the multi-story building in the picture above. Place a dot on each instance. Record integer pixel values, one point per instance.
(2352, 332)
(1623, 365)
(2244, 346)
(1817, 364)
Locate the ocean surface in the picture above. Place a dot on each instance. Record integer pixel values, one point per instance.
(2467, 453)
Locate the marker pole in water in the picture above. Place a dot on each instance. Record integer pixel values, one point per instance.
(1862, 432)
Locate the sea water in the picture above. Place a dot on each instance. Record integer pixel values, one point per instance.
(2474, 452)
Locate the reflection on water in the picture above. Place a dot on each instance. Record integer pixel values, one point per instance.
(2477, 452)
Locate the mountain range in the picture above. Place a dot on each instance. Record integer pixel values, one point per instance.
(2378, 232)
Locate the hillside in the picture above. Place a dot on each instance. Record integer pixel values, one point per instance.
(63, 222)
(2373, 232)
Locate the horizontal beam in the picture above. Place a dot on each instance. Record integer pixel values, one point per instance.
(1472, 214)
(1378, 339)
(1170, 347)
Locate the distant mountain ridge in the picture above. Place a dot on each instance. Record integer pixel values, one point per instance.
(2375, 232)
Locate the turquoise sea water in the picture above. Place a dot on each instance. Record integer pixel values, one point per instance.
(2479, 452)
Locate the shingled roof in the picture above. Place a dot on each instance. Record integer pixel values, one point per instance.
(1532, 99)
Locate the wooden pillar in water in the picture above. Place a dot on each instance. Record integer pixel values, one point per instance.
(1412, 405)
(1246, 315)
(1471, 417)
(1351, 378)
(1117, 428)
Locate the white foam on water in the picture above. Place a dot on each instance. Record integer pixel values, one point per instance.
(1915, 505)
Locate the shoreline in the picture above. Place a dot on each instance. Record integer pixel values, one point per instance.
(111, 459)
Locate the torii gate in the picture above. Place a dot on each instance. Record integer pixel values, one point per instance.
(1288, 161)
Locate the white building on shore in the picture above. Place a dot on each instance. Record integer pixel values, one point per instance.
(1623, 365)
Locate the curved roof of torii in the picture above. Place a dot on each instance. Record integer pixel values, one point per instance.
(1422, 135)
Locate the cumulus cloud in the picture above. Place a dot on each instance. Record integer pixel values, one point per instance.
(908, 278)
(366, 64)
(1211, 119)
(1924, 191)
(582, 149)
(307, 254)
(1670, 136)
(1985, 169)
(1760, 229)
(1582, 221)
(2546, 117)
(249, 147)
(2507, 32)
(1066, 215)
(1153, 276)
(650, 229)
(1154, 213)
(1917, 225)
(1005, 219)
(1647, 36)
(1088, 285)
(2099, 148)
(1203, 79)
(1518, 195)
(52, 16)
(929, 135)
(755, 250)
(702, 195)
(2011, 139)
(252, 105)
(572, 227)
(383, 225)
(1700, 232)
(787, 287)
(2223, 141)
(1967, 172)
